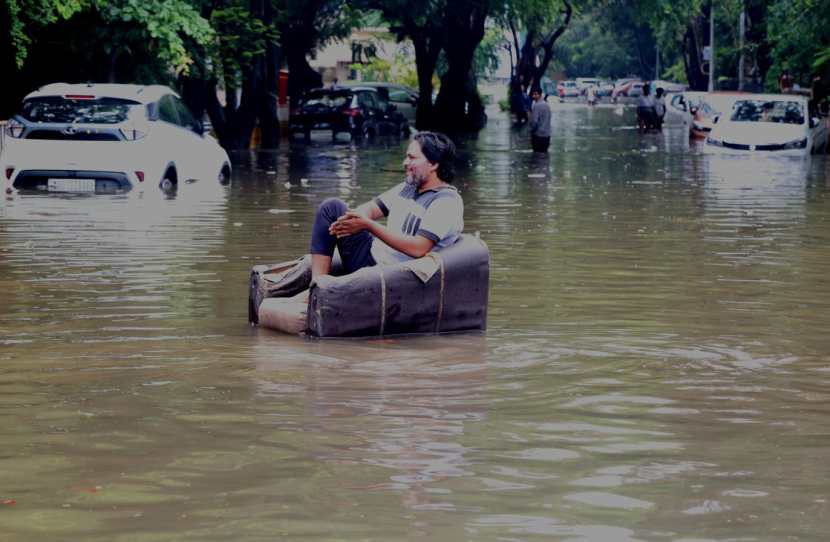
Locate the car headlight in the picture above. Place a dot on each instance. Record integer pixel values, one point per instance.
(715, 142)
(15, 129)
(796, 144)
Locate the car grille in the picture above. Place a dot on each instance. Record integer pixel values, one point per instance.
(77, 136)
(776, 147)
(743, 147)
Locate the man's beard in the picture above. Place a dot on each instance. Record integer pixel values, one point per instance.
(413, 180)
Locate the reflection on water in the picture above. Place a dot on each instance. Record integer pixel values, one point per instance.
(655, 366)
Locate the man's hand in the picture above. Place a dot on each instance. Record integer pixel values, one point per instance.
(349, 224)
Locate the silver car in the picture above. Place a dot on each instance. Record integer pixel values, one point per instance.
(404, 98)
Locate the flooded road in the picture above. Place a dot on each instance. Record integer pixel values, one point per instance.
(656, 365)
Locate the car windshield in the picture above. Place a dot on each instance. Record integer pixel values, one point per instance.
(79, 111)
(787, 112)
(329, 99)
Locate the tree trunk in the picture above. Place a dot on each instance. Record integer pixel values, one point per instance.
(269, 124)
(465, 23)
(691, 60)
(756, 11)
(428, 41)
(528, 73)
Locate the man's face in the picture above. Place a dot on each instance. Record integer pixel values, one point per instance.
(536, 96)
(416, 165)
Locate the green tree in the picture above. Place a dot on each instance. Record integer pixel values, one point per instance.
(423, 24)
(542, 23)
(798, 30)
(116, 40)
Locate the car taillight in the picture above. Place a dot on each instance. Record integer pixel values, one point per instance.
(79, 96)
(351, 111)
(140, 175)
(9, 172)
(15, 129)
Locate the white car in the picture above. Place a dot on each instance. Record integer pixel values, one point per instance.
(769, 123)
(107, 138)
(697, 110)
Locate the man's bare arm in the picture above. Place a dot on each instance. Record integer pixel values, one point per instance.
(370, 210)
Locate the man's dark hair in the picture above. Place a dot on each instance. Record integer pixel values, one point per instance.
(536, 90)
(438, 149)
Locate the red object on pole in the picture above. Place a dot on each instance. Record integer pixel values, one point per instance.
(283, 88)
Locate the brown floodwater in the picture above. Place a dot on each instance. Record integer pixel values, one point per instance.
(656, 368)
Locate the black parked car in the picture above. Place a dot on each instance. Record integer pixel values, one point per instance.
(359, 111)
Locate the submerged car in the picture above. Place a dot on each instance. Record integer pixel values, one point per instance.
(567, 89)
(402, 97)
(107, 138)
(697, 110)
(773, 123)
(360, 111)
(628, 88)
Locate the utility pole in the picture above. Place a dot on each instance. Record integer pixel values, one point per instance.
(741, 32)
(711, 45)
(657, 62)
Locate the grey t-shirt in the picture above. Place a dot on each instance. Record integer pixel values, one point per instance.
(540, 119)
(437, 215)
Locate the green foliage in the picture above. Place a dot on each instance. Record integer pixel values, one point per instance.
(27, 17)
(401, 70)
(587, 50)
(241, 37)
(486, 57)
(802, 39)
(160, 25)
(163, 24)
(377, 69)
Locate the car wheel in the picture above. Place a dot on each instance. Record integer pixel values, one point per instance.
(361, 132)
(225, 174)
(169, 181)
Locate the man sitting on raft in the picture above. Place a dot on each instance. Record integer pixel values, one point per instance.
(424, 213)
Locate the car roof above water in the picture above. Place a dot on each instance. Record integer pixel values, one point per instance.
(140, 93)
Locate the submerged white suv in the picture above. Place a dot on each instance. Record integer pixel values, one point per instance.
(107, 138)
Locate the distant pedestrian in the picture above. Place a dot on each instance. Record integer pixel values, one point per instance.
(785, 82)
(539, 122)
(591, 94)
(646, 114)
(659, 107)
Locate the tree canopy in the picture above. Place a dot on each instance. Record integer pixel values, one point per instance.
(239, 45)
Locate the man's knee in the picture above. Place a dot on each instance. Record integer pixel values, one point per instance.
(332, 208)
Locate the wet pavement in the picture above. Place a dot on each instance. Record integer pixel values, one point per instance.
(656, 365)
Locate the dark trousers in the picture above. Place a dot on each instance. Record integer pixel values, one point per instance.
(355, 250)
(539, 144)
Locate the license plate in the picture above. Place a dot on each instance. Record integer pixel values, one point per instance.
(71, 185)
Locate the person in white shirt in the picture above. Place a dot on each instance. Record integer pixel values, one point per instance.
(424, 213)
(659, 107)
(646, 115)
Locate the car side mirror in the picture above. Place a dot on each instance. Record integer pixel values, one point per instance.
(813, 122)
(716, 119)
(693, 110)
